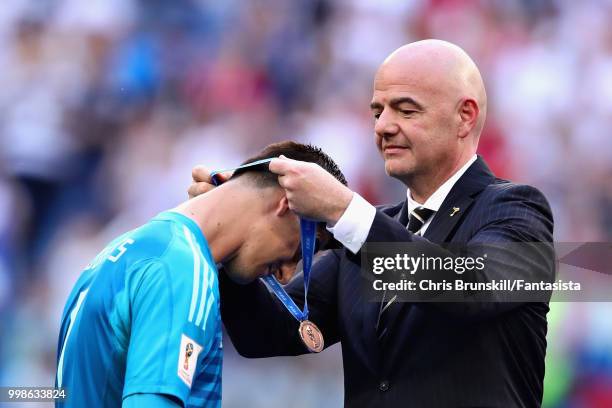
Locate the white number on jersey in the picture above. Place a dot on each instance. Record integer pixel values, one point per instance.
(112, 253)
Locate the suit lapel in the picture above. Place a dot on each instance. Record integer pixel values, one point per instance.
(447, 217)
(372, 308)
(459, 199)
(402, 215)
(393, 312)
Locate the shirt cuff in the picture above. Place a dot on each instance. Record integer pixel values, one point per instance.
(354, 225)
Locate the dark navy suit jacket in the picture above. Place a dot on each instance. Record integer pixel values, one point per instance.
(488, 354)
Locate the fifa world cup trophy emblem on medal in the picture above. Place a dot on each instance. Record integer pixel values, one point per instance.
(311, 336)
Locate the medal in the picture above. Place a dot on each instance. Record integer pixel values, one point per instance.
(309, 332)
(311, 336)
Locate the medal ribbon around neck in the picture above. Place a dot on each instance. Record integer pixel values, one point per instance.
(308, 230)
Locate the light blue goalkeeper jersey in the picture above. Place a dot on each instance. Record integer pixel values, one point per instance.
(144, 317)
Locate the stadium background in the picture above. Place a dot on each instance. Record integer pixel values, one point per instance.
(106, 104)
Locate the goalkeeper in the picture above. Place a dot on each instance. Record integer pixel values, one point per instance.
(142, 327)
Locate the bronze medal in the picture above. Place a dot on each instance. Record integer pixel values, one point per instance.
(311, 336)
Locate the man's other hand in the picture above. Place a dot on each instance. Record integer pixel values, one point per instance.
(201, 181)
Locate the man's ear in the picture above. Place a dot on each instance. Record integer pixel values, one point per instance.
(282, 206)
(468, 113)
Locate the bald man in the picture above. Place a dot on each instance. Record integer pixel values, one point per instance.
(429, 107)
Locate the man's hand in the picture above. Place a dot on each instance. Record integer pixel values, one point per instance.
(311, 191)
(201, 181)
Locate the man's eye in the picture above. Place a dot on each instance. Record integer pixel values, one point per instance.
(376, 115)
(407, 112)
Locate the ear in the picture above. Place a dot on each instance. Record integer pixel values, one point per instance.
(468, 114)
(282, 206)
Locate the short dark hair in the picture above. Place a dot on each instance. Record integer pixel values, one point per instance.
(293, 150)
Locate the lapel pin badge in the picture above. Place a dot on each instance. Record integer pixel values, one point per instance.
(455, 211)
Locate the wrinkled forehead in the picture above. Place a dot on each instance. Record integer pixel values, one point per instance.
(395, 83)
(414, 79)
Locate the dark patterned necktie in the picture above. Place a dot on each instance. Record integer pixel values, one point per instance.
(418, 217)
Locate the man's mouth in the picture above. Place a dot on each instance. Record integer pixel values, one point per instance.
(394, 149)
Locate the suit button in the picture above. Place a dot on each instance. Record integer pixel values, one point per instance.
(384, 385)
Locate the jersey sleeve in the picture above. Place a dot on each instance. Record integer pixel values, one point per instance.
(172, 327)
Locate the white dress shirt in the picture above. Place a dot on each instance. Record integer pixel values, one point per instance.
(354, 225)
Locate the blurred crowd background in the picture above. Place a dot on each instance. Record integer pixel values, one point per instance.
(105, 105)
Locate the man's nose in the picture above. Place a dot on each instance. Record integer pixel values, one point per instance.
(386, 125)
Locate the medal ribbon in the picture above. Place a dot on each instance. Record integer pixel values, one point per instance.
(309, 236)
(214, 174)
(308, 230)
